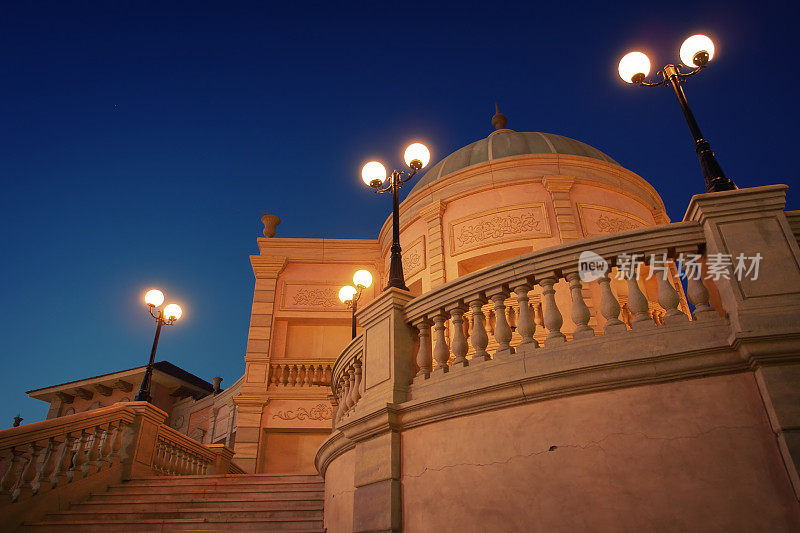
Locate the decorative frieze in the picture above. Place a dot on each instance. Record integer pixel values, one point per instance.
(320, 411)
(310, 296)
(598, 220)
(498, 226)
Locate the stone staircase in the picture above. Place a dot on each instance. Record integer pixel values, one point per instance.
(243, 502)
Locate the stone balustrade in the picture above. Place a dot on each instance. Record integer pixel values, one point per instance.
(51, 463)
(299, 373)
(44, 455)
(346, 379)
(496, 301)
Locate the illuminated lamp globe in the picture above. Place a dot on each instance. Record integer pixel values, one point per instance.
(696, 51)
(154, 298)
(634, 67)
(363, 278)
(417, 156)
(346, 293)
(373, 174)
(172, 312)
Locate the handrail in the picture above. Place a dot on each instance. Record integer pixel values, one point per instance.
(53, 427)
(560, 259)
(346, 383)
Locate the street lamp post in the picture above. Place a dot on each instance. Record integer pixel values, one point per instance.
(374, 175)
(695, 52)
(164, 317)
(350, 295)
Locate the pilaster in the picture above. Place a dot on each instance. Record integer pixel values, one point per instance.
(432, 214)
(764, 311)
(559, 188)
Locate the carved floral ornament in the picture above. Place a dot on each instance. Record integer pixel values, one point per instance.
(309, 296)
(499, 225)
(318, 412)
(597, 219)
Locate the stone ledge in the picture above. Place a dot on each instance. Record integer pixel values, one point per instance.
(665, 353)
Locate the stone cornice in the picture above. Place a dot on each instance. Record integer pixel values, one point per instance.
(320, 250)
(736, 205)
(267, 266)
(331, 448)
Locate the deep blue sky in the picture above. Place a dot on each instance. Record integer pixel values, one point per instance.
(140, 141)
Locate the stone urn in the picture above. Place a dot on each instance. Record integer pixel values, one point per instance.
(270, 225)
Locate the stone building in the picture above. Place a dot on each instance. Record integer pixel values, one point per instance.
(504, 391)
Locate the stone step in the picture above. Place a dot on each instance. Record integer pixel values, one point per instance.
(205, 495)
(211, 505)
(172, 489)
(242, 513)
(228, 478)
(184, 524)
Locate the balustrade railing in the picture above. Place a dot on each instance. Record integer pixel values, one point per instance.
(67, 454)
(346, 379)
(299, 373)
(516, 302)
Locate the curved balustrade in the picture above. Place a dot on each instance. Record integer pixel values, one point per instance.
(43, 455)
(346, 382)
(517, 299)
(299, 373)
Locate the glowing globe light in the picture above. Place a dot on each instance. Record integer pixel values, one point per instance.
(363, 278)
(172, 312)
(346, 293)
(632, 64)
(417, 152)
(154, 298)
(373, 172)
(692, 46)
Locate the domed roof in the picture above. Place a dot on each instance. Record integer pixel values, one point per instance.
(506, 143)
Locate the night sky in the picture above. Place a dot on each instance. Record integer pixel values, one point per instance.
(140, 142)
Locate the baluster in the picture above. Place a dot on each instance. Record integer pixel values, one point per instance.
(63, 461)
(301, 375)
(284, 375)
(108, 443)
(459, 345)
(351, 373)
(637, 303)
(609, 307)
(29, 472)
(117, 442)
(9, 479)
(93, 452)
(357, 384)
(526, 327)
(467, 327)
(698, 297)
(346, 392)
(668, 298)
(580, 312)
(479, 338)
(339, 400)
(552, 316)
(491, 321)
(79, 459)
(441, 352)
(424, 355)
(502, 331)
(538, 314)
(49, 464)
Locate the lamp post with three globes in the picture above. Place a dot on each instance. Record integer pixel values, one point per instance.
(374, 175)
(164, 317)
(350, 295)
(695, 52)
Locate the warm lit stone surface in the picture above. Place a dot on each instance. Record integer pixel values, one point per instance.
(339, 494)
(664, 457)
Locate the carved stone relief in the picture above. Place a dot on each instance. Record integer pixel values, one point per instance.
(598, 220)
(318, 412)
(497, 226)
(306, 296)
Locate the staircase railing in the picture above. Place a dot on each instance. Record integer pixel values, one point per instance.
(47, 465)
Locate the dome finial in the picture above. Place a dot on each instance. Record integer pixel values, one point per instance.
(499, 120)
